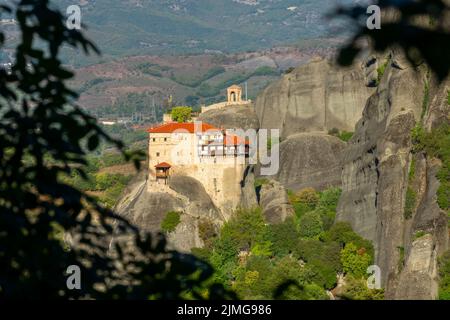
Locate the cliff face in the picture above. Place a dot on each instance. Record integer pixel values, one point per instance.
(232, 117)
(375, 179)
(314, 97)
(146, 207)
(310, 160)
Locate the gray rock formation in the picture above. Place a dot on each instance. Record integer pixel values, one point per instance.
(200, 204)
(310, 160)
(274, 202)
(147, 209)
(314, 97)
(248, 194)
(375, 181)
(232, 117)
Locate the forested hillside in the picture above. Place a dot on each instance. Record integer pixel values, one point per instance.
(134, 27)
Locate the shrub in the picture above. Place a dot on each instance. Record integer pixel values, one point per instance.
(356, 289)
(207, 231)
(401, 260)
(112, 194)
(308, 249)
(381, 70)
(288, 269)
(410, 203)
(170, 222)
(324, 275)
(355, 261)
(327, 219)
(345, 136)
(284, 237)
(323, 259)
(244, 229)
(342, 233)
(419, 234)
(308, 196)
(426, 98)
(330, 198)
(259, 182)
(244, 283)
(263, 249)
(310, 225)
(444, 276)
(201, 253)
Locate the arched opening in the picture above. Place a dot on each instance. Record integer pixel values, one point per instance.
(233, 97)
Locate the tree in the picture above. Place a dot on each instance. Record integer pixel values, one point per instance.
(356, 289)
(342, 233)
(355, 261)
(311, 225)
(284, 237)
(245, 229)
(308, 196)
(181, 114)
(45, 136)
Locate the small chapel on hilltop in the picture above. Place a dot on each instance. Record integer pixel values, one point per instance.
(234, 97)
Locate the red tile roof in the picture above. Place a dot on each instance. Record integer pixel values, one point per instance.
(235, 140)
(187, 127)
(163, 165)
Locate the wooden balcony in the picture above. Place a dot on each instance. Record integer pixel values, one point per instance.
(162, 175)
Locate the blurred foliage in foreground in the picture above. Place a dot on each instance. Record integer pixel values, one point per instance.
(43, 136)
(421, 29)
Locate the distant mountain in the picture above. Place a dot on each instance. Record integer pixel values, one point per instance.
(134, 84)
(154, 27)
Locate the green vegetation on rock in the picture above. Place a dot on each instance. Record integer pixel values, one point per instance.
(343, 135)
(444, 276)
(437, 144)
(426, 97)
(381, 70)
(410, 202)
(170, 221)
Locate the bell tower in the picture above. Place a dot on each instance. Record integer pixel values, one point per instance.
(234, 94)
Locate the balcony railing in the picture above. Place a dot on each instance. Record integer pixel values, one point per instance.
(162, 175)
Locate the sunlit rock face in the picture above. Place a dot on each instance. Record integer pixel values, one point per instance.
(376, 176)
(315, 97)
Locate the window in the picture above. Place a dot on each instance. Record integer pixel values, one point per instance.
(165, 139)
(157, 154)
(154, 139)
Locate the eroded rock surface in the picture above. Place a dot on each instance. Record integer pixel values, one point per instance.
(375, 180)
(274, 202)
(232, 117)
(146, 207)
(314, 97)
(310, 160)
